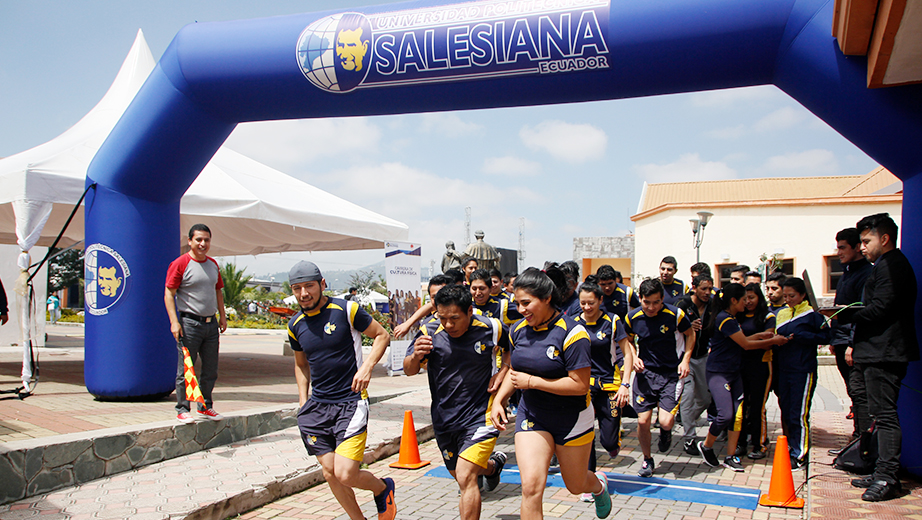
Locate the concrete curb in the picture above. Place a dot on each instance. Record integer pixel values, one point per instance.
(293, 483)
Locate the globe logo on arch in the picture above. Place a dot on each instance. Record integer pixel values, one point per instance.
(334, 52)
(106, 275)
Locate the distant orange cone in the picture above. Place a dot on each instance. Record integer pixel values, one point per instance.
(781, 491)
(409, 446)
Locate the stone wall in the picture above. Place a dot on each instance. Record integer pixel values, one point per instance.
(603, 247)
(32, 467)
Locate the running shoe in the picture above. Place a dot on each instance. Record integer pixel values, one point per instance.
(587, 497)
(732, 462)
(209, 413)
(555, 466)
(740, 449)
(646, 470)
(603, 499)
(798, 464)
(691, 447)
(185, 418)
(499, 461)
(614, 453)
(710, 458)
(665, 440)
(757, 454)
(384, 502)
(864, 482)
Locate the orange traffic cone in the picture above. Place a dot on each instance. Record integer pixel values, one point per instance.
(409, 446)
(781, 490)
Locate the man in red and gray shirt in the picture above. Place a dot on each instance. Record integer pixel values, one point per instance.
(193, 296)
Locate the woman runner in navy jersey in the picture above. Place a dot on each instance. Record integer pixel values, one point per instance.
(609, 388)
(551, 365)
(756, 322)
(725, 380)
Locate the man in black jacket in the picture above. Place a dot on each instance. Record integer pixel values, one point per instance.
(849, 289)
(884, 344)
(695, 394)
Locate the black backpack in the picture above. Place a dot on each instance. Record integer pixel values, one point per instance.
(860, 455)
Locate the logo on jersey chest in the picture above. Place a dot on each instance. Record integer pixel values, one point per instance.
(480, 347)
(552, 352)
(601, 335)
(664, 329)
(329, 328)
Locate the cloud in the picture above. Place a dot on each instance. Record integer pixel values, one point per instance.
(510, 165)
(781, 119)
(730, 132)
(729, 98)
(573, 143)
(796, 164)
(287, 144)
(688, 168)
(448, 124)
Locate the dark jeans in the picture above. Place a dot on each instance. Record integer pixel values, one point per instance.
(200, 339)
(881, 385)
(845, 370)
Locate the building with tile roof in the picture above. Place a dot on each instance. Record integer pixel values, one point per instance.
(792, 218)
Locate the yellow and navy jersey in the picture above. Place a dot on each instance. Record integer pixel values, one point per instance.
(807, 326)
(673, 291)
(571, 306)
(550, 352)
(605, 353)
(750, 325)
(499, 308)
(331, 339)
(660, 339)
(726, 356)
(459, 371)
(621, 301)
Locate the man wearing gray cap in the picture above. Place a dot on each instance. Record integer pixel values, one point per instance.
(326, 339)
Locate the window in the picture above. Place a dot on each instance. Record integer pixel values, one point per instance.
(723, 273)
(833, 273)
(787, 267)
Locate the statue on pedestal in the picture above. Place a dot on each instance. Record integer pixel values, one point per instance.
(452, 257)
(487, 256)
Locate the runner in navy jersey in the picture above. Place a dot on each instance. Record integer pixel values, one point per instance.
(609, 387)
(665, 339)
(551, 365)
(673, 288)
(725, 379)
(458, 350)
(757, 366)
(488, 305)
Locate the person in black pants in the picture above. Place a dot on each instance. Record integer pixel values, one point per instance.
(4, 311)
(849, 289)
(884, 344)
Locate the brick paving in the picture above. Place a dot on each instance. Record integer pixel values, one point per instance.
(265, 477)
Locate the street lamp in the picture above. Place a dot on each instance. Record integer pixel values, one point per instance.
(698, 225)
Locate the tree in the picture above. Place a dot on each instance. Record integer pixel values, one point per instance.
(367, 281)
(65, 270)
(234, 284)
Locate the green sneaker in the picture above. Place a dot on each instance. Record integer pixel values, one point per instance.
(603, 499)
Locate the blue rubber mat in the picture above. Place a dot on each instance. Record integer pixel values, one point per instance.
(659, 488)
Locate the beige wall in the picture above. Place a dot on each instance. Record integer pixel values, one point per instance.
(622, 265)
(741, 235)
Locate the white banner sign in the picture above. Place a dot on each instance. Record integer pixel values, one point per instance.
(401, 264)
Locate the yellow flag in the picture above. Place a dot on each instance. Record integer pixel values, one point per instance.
(193, 393)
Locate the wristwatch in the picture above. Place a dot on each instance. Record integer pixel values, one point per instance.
(626, 385)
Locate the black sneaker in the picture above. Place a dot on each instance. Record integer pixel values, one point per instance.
(691, 447)
(740, 450)
(863, 482)
(757, 454)
(555, 466)
(710, 458)
(881, 490)
(665, 440)
(732, 463)
(646, 470)
(499, 461)
(798, 464)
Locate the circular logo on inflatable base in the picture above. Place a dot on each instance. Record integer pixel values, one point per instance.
(334, 52)
(106, 275)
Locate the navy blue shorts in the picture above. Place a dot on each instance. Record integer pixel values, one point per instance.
(339, 427)
(474, 444)
(657, 388)
(568, 428)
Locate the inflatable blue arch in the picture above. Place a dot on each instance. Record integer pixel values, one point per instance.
(437, 56)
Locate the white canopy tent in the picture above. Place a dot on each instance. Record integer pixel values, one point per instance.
(252, 208)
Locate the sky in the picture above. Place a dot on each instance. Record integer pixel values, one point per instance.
(568, 170)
